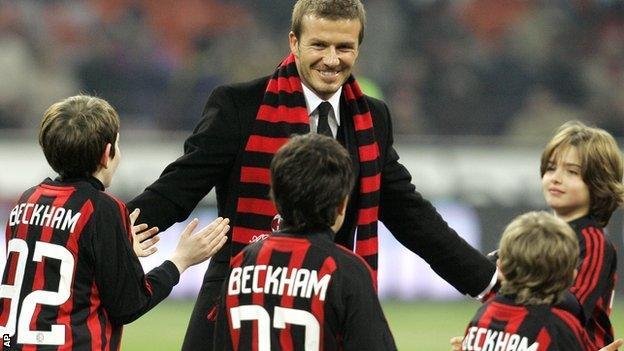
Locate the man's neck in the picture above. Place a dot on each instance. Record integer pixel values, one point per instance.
(100, 175)
(312, 99)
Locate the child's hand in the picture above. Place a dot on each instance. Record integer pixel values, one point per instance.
(143, 239)
(456, 343)
(196, 248)
(613, 346)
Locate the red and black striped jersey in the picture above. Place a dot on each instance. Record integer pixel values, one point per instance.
(595, 283)
(500, 324)
(300, 292)
(72, 279)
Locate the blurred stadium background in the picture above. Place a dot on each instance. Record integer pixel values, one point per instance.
(475, 88)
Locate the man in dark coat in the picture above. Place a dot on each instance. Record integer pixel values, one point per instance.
(312, 91)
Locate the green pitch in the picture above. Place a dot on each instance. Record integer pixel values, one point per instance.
(422, 325)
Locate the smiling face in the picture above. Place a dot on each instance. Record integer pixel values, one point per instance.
(563, 187)
(325, 53)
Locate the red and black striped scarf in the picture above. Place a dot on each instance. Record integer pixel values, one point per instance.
(283, 113)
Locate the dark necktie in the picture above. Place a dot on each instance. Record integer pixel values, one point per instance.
(323, 124)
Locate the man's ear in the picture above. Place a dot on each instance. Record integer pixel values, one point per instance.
(293, 42)
(105, 159)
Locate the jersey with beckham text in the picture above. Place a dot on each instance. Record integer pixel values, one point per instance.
(595, 282)
(71, 278)
(500, 324)
(300, 292)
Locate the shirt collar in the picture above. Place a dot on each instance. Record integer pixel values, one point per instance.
(96, 183)
(583, 222)
(313, 101)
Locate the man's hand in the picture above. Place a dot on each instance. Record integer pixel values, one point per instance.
(456, 343)
(613, 346)
(143, 239)
(197, 248)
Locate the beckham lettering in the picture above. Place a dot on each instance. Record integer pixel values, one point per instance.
(278, 281)
(481, 339)
(44, 216)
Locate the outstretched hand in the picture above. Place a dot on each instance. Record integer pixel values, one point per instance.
(143, 239)
(196, 248)
(613, 346)
(456, 343)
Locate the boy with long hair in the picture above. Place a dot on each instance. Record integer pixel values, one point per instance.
(581, 169)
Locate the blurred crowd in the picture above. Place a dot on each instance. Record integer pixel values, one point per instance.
(463, 67)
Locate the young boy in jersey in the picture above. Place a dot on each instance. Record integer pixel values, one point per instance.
(72, 279)
(581, 169)
(537, 258)
(297, 289)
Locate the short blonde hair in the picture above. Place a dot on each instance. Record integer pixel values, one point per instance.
(537, 256)
(74, 133)
(601, 165)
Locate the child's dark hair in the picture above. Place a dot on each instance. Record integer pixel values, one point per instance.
(74, 133)
(310, 177)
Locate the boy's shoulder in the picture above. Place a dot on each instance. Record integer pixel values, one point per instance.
(110, 211)
(504, 306)
(50, 188)
(351, 258)
(591, 235)
(565, 317)
(82, 192)
(344, 259)
(586, 224)
(532, 317)
(28, 193)
(79, 203)
(352, 266)
(111, 201)
(555, 319)
(532, 324)
(569, 328)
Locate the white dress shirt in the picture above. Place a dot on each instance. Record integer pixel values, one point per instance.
(313, 102)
